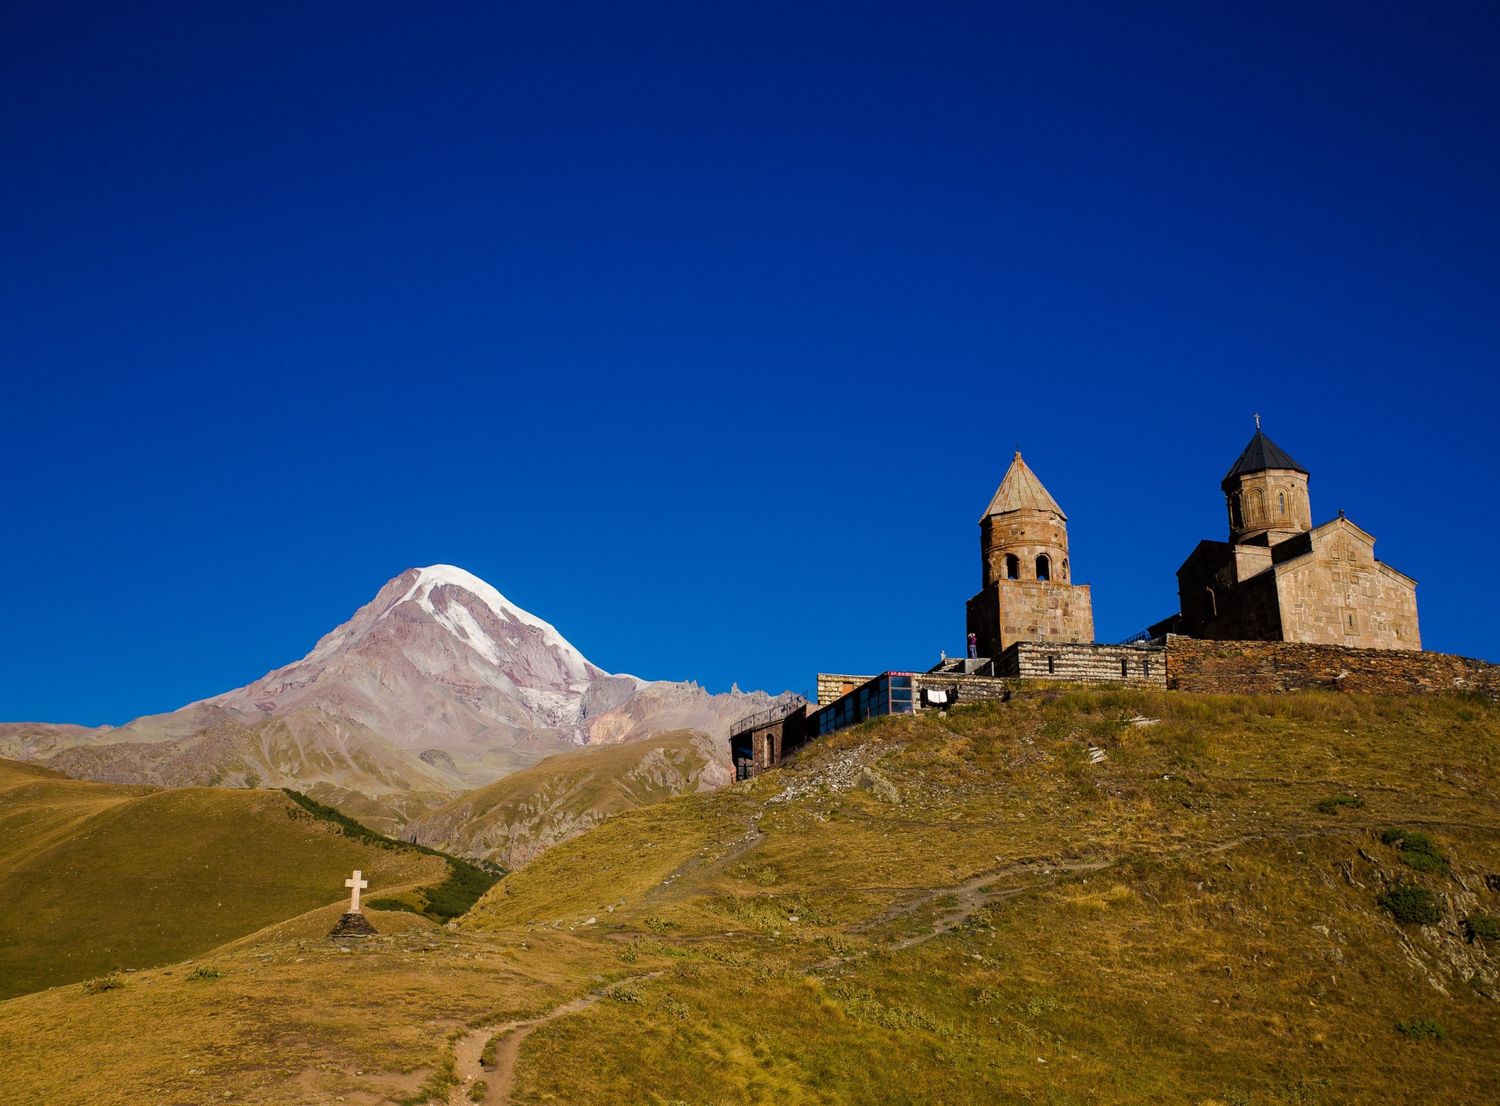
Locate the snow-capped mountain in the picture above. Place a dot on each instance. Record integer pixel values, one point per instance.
(439, 660)
(437, 685)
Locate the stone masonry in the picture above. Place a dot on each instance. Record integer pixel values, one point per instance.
(1129, 665)
(1257, 667)
(831, 685)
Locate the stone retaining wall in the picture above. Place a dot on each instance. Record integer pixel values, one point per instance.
(971, 689)
(1254, 667)
(1126, 665)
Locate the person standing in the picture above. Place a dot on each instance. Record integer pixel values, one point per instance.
(973, 646)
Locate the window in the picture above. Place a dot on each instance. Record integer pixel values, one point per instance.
(1064, 575)
(1210, 604)
(1124, 668)
(1051, 664)
(1043, 568)
(1281, 502)
(1146, 666)
(1236, 516)
(1257, 506)
(1012, 567)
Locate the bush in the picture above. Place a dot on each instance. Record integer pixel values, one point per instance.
(1482, 927)
(1411, 905)
(467, 879)
(1335, 803)
(1422, 1029)
(477, 1090)
(1417, 850)
(206, 973)
(110, 982)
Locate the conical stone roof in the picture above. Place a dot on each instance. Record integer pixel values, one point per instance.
(1261, 454)
(1021, 490)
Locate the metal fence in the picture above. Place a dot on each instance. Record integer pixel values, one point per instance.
(773, 713)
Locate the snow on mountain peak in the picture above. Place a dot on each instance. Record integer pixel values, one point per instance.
(459, 621)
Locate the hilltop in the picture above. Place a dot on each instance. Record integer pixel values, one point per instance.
(1074, 897)
(96, 877)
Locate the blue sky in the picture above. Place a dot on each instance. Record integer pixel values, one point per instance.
(706, 331)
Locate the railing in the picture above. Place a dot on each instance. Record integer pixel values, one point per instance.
(1143, 639)
(765, 717)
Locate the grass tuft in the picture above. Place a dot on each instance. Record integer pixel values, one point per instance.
(99, 984)
(1422, 1029)
(1335, 803)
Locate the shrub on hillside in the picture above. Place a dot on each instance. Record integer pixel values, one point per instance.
(1422, 1029)
(110, 982)
(1480, 926)
(1417, 850)
(1411, 905)
(206, 973)
(467, 879)
(1335, 803)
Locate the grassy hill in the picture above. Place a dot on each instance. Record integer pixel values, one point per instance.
(95, 877)
(520, 816)
(1084, 897)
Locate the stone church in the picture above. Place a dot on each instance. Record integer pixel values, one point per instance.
(1279, 578)
(1028, 593)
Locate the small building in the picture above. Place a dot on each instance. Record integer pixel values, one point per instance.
(1279, 578)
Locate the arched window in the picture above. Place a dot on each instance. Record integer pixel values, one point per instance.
(1012, 567)
(1210, 603)
(1043, 568)
(1257, 506)
(1281, 503)
(1064, 576)
(1236, 515)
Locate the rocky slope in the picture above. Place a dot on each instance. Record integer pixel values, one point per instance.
(516, 819)
(437, 685)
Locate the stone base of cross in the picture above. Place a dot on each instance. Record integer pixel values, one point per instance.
(353, 923)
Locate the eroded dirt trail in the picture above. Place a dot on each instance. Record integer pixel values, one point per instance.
(501, 1079)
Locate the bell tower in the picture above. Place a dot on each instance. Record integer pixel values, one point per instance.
(1028, 592)
(1265, 493)
(1024, 533)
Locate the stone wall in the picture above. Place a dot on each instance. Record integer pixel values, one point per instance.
(1084, 663)
(832, 685)
(970, 688)
(1272, 666)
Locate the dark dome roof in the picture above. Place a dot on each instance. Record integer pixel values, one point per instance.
(1261, 454)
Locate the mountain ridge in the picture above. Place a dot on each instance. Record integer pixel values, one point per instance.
(436, 686)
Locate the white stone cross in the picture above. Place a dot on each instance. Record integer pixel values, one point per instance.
(355, 884)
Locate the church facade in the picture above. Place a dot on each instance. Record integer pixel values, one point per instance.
(1280, 578)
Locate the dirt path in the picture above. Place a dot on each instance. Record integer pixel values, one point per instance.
(501, 1080)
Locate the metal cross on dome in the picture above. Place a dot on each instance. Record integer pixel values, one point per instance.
(355, 885)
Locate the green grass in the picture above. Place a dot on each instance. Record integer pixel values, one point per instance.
(99, 877)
